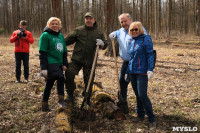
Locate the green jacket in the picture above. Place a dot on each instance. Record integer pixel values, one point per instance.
(85, 39)
(54, 46)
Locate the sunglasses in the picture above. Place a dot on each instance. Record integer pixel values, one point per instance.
(136, 29)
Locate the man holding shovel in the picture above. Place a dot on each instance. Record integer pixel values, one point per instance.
(86, 38)
(124, 40)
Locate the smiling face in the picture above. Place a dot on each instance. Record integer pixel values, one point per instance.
(89, 21)
(54, 25)
(136, 29)
(125, 21)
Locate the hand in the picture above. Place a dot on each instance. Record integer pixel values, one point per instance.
(44, 73)
(24, 37)
(150, 75)
(99, 42)
(64, 68)
(18, 34)
(112, 36)
(126, 78)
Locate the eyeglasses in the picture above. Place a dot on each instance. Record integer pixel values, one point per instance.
(136, 29)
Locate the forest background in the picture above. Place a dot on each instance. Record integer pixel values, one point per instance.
(174, 91)
(161, 18)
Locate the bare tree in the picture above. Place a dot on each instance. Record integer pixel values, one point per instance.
(56, 8)
(169, 17)
(110, 22)
(198, 18)
(141, 11)
(156, 24)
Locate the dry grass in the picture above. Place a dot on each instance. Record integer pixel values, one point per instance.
(174, 92)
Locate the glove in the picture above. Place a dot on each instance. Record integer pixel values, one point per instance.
(99, 42)
(150, 75)
(44, 73)
(126, 78)
(112, 36)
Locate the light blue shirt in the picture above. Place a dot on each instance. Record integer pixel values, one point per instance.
(124, 40)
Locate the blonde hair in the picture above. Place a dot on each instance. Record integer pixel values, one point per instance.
(137, 24)
(54, 19)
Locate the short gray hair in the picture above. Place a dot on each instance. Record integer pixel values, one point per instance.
(124, 14)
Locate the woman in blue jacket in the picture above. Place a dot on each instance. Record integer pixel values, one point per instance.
(140, 70)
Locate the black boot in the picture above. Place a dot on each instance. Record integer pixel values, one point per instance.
(69, 99)
(123, 105)
(45, 107)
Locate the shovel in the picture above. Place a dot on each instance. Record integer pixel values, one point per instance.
(90, 79)
(121, 102)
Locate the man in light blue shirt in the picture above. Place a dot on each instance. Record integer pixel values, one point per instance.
(124, 40)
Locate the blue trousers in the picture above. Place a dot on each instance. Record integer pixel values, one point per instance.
(140, 85)
(19, 57)
(123, 83)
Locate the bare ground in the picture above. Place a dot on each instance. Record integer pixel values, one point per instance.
(174, 92)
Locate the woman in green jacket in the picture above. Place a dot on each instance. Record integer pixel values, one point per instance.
(53, 60)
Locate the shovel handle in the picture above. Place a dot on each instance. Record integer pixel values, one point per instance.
(117, 76)
(91, 74)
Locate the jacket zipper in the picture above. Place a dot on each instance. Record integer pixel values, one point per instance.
(139, 62)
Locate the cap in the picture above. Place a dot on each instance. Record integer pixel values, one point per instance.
(89, 14)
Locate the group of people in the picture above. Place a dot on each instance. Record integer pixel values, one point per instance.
(135, 48)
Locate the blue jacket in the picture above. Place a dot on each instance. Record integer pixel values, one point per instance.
(142, 58)
(124, 40)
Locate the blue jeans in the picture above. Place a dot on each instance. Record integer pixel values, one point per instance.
(20, 56)
(123, 83)
(140, 85)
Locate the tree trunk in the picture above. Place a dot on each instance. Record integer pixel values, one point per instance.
(169, 17)
(141, 11)
(156, 24)
(14, 15)
(56, 8)
(160, 17)
(110, 23)
(198, 18)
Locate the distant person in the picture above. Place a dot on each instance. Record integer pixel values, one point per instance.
(53, 60)
(124, 40)
(22, 39)
(140, 70)
(86, 39)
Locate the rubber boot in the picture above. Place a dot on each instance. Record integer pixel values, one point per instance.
(61, 103)
(45, 107)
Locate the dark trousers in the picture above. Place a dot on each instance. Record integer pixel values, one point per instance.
(19, 57)
(72, 70)
(49, 85)
(55, 72)
(123, 83)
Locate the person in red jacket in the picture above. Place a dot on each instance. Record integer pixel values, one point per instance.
(22, 39)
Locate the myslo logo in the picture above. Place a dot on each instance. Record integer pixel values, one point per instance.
(185, 129)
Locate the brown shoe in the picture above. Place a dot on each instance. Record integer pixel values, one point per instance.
(45, 107)
(137, 119)
(152, 125)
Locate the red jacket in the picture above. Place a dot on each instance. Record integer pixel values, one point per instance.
(23, 43)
